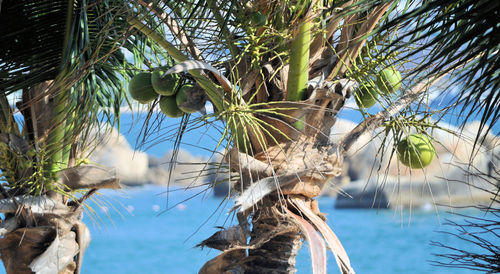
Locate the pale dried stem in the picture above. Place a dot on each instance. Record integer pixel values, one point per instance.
(367, 27)
(347, 32)
(376, 120)
(320, 41)
(352, 49)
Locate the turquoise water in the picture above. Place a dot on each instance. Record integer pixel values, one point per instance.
(131, 234)
(145, 241)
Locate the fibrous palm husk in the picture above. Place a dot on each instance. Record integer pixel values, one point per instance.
(43, 234)
(50, 245)
(305, 161)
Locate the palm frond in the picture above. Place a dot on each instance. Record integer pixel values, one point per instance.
(459, 37)
(30, 53)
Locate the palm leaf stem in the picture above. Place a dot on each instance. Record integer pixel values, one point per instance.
(174, 29)
(224, 30)
(353, 49)
(57, 159)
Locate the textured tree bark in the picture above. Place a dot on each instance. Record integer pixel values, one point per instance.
(277, 255)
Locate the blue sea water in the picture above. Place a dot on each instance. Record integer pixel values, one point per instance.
(133, 234)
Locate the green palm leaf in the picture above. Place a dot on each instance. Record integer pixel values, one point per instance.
(460, 36)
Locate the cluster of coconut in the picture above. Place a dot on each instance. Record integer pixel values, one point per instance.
(145, 87)
(414, 151)
(388, 81)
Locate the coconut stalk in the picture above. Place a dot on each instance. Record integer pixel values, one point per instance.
(298, 74)
(58, 159)
(299, 62)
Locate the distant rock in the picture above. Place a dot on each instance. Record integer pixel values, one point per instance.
(447, 181)
(138, 168)
(114, 151)
(366, 174)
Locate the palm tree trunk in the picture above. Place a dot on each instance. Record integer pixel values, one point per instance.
(277, 255)
(42, 231)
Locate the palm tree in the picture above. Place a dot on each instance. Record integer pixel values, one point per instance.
(61, 75)
(279, 72)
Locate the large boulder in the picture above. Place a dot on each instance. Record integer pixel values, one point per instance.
(447, 180)
(114, 151)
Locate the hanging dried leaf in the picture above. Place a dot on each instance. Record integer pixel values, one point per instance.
(333, 242)
(317, 246)
(57, 256)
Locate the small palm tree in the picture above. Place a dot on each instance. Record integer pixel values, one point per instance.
(277, 74)
(61, 75)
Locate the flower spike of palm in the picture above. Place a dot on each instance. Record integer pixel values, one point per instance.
(292, 65)
(62, 65)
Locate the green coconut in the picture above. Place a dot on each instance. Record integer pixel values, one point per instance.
(141, 89)
(366, 95)
(299, 124)
(165, 85)
(181, 98)
(258, 19)
(168, 106)
(389, 80)
(416, 151)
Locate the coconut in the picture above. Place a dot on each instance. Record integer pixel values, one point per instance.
(416, 151)
(168, 106)
(164, 85)
(366, 95)
(141, 89)
(258, 19)
(389, 80)
(181, 98)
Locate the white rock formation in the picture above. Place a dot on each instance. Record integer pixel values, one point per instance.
(445, 181)
(115, 151)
